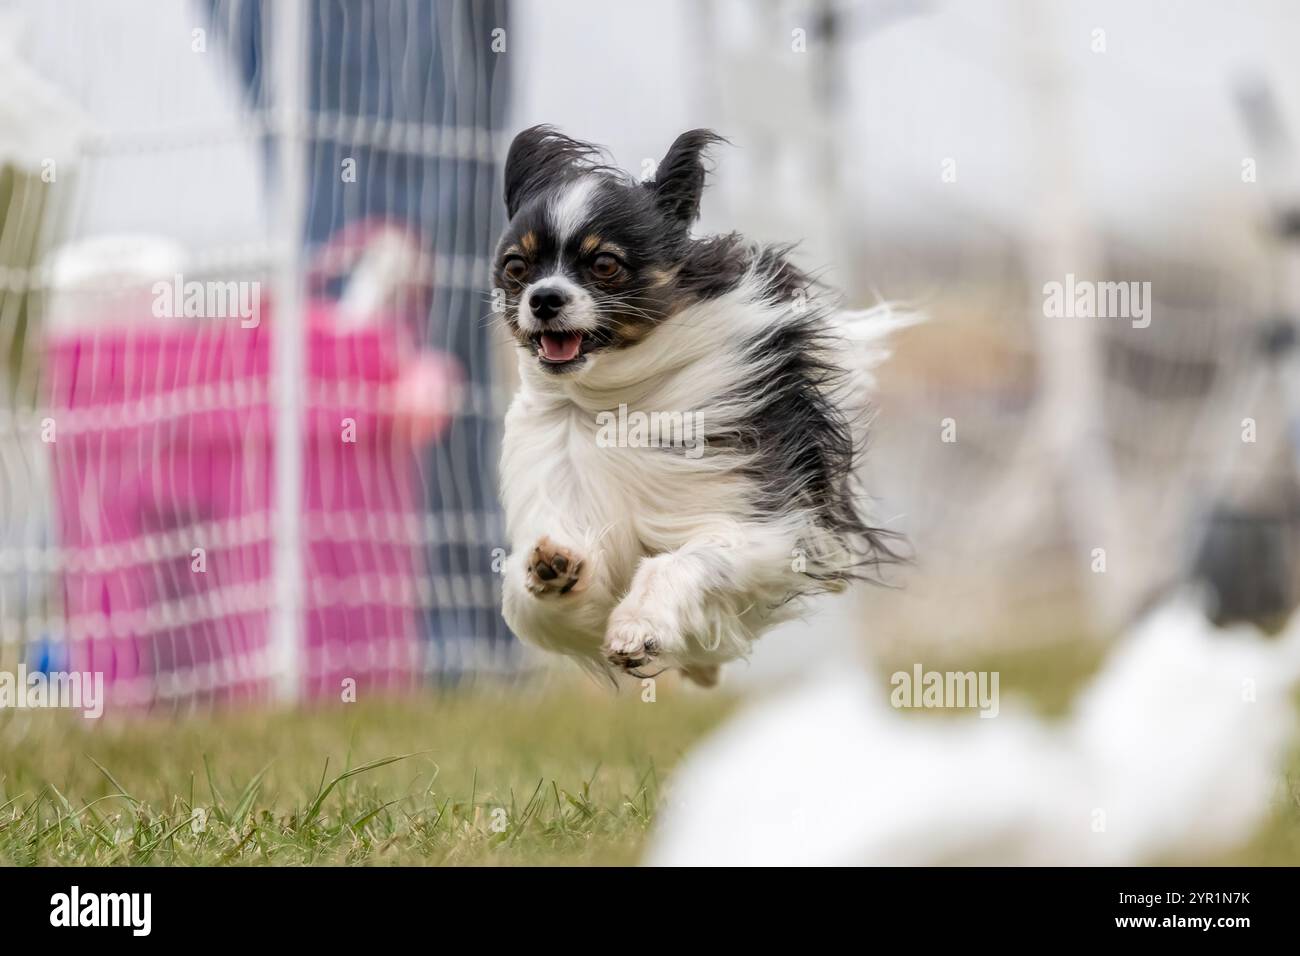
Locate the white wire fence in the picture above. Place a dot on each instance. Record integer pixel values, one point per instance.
(250, 394)
(248, 431)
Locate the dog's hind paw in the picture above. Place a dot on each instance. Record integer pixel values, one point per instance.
(704, 675)
(555, 570)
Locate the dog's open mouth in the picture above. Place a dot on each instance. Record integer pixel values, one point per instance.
(559, 348)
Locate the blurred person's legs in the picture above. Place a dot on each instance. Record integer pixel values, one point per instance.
(407, 98)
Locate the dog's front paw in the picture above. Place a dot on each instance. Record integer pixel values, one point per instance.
(632, 644)
(635, 640)
(555, 570)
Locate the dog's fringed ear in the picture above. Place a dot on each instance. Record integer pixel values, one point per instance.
(542, 156)
(679, 179)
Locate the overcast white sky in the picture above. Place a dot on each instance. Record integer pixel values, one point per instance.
(1150, 128)
(1147, 133)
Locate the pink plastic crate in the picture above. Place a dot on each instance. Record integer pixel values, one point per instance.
(164, 446)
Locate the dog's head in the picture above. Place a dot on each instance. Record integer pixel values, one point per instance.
(591, 258)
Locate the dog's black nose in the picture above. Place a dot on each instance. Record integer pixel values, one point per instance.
(547, 303)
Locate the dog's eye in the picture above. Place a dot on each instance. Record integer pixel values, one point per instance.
(605, 267)
(515, 267)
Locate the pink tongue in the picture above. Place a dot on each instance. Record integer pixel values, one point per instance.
(560, 347)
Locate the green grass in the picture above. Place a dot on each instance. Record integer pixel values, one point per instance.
(568, 773)
(561, 773)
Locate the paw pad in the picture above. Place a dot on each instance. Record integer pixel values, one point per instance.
(554, 570)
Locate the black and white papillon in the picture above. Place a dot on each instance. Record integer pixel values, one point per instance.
(679, 462)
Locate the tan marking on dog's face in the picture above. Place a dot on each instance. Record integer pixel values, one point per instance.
(528, 241)
(590, 244)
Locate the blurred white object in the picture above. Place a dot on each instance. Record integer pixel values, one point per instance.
(109, 278)
(1176, 748)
